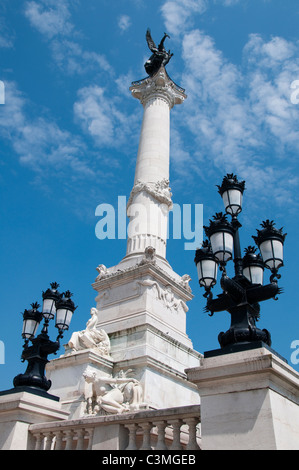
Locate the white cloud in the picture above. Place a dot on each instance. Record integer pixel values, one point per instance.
(52, 19)
(227, 3)
(6, 36)
(49, 17)
(39, 143)
(241, 119)
(269, 54)
(101, 118)
(123, 82)
(5, 42)
(72, 59)
(178, 13)
(124, 22)
(273, 67)
(63, 163)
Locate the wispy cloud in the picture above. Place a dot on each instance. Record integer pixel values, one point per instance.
(241, 117)
(228, 3)
(124, 22)
(49, 17)
(177, 14)
(53, 21)
(180, 15)
(6, 36)
(39, 143)
(101, 117)
(69, 165)
(51, 151)
(71, 58)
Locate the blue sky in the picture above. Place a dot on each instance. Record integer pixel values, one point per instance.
(69, 132)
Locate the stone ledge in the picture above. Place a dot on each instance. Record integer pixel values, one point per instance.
(151, 415)
(248, 370)
(121, 277)
(29, 408)
(80, 357)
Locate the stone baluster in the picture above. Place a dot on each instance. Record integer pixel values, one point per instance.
(161, 425)
(146, 428)
(132, 436)
(89, 433)
(176, 426)
(48, 440)
(164, 429)
(69, 440)
(80, 439)
(39, 441)
(192, 424)
(59, 441)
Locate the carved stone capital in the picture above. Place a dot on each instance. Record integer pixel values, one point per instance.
(160, 86)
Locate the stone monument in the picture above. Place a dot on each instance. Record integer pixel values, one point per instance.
(139, 324)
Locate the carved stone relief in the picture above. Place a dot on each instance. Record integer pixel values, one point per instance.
(166, 295)
(159, 191)
(112, 395)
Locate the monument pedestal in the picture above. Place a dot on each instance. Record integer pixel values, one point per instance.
(249, 401)
(142, 308)
(68, 382)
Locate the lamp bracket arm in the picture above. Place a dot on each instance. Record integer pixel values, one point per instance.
(235, 223)
(274, 276)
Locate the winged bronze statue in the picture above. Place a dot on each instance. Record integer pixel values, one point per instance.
(160, 56)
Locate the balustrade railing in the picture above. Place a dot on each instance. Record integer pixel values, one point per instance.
(170, 429)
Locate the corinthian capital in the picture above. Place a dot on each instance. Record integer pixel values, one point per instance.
(160, 86)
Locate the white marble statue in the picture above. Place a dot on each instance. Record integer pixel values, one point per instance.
(103, 272)
(91, 337)
(114, 395)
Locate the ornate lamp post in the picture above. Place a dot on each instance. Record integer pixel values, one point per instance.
(37, 353)
(243, 293)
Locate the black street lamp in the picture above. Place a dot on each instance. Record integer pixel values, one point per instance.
(36, 355)
(207, 266)
(243, 293)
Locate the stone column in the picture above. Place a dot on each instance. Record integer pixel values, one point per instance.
(249, 401)
(150, 199)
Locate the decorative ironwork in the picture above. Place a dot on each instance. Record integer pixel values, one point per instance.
(241, 294)
(37, 353)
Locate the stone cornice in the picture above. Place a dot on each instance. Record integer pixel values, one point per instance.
(137, 272)
(248, 370)
(86, 356)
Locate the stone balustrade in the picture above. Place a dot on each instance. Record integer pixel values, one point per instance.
(169, 429)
